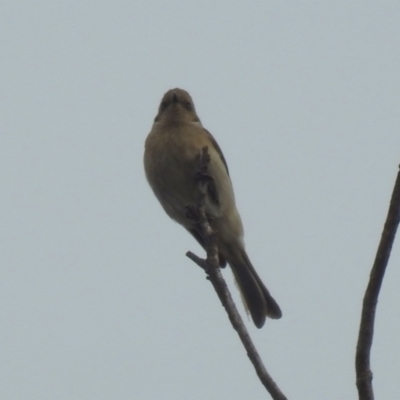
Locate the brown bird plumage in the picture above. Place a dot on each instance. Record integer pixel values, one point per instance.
(171, 160)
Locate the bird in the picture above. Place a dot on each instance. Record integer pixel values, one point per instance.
(171, 161)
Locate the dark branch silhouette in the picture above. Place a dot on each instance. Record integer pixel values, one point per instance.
(211, 267)
(363, 369)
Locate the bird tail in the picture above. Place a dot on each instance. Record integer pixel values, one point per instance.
(256, 296)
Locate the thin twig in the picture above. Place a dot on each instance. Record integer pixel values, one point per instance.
(365, 336)
(211, 267)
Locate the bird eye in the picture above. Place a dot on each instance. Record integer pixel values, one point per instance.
(189, 106)
(163, 105)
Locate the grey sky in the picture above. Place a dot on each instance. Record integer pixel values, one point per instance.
(97, 298)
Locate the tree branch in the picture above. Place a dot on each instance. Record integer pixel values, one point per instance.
(366, 332)
(211, 267)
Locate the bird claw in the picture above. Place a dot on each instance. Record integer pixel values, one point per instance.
(192, 213)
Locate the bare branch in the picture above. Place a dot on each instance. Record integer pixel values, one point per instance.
(211, 267)
(363, 369)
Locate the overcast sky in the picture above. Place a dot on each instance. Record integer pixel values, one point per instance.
(98, 300)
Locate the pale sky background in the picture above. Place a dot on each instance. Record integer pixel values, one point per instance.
(98, 300)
